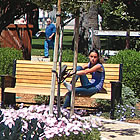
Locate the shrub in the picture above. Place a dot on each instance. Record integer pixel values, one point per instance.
(131, 68)
(7, 57)
(68, 56)
(43, 99)
(128, 107)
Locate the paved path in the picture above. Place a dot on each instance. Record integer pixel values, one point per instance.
(39, 58)
(117, 130)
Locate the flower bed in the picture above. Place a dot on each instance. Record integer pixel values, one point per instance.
(35, 123)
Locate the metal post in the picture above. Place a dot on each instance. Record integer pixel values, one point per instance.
(127, 39)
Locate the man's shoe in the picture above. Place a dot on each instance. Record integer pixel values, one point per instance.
(46, 57)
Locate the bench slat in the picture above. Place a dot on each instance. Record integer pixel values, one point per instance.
(42, 77)
(35, 90)
(67, 63)
(33, 73)
(33, 70)
(47, 92)
(102, 96)
(47, 80)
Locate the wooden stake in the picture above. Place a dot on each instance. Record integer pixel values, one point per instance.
(76, 40)
(55, 57)
(59, 73)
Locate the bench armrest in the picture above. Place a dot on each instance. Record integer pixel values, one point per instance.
(7, 81)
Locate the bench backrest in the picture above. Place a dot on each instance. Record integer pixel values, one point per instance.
(39, 74)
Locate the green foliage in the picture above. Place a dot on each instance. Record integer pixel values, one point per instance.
(67, 39)
(94, 135)
(42, 99)
(67, 6)
(7, 57)
(10, 133)
(127, 109)
(131, 68)
(128, 96)
(68, 56)
(38, 52)
(121, 15)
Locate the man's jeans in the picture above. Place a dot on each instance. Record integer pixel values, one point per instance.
(48, 44)
(86, 89)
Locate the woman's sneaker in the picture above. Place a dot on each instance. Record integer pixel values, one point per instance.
(67, 85)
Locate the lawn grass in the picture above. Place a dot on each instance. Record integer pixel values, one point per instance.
(67, 40)
(38, 43)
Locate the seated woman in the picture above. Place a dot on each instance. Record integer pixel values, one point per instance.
(89, 87)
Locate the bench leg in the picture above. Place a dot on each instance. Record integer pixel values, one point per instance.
(116, 90)
(2, 97)
(112, 107)
(10, 99)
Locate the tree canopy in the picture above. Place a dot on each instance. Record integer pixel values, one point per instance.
(116, 15)
(69, 8)
(121, 14)
(13, 9)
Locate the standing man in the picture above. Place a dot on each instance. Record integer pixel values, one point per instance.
(50, 37)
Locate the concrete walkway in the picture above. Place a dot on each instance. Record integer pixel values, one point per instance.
(117, 130)
(39, 58)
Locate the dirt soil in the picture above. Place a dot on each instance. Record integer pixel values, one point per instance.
(82, 101)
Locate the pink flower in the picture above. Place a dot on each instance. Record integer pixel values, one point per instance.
(75, 132)
(67, 133)
(9, 122)
(25, 125)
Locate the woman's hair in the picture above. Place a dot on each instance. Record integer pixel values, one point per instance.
(100, 60)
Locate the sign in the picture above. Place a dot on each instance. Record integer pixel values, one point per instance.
(115, 33)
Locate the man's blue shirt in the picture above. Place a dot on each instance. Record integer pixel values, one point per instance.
(50, 29)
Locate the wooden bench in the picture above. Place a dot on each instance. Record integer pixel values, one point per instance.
(31, 77)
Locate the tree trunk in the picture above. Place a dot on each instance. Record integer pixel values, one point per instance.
(93, 23)
(88, 20)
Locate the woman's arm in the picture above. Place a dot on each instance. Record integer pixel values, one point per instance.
(85, 66)
(86, 71)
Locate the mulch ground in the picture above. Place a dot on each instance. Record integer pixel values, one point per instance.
(82, 101)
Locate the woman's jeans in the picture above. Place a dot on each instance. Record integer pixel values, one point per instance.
(86, 89)
(47, 45)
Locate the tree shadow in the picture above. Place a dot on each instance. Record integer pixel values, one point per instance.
(37, 46)
(123, 132)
